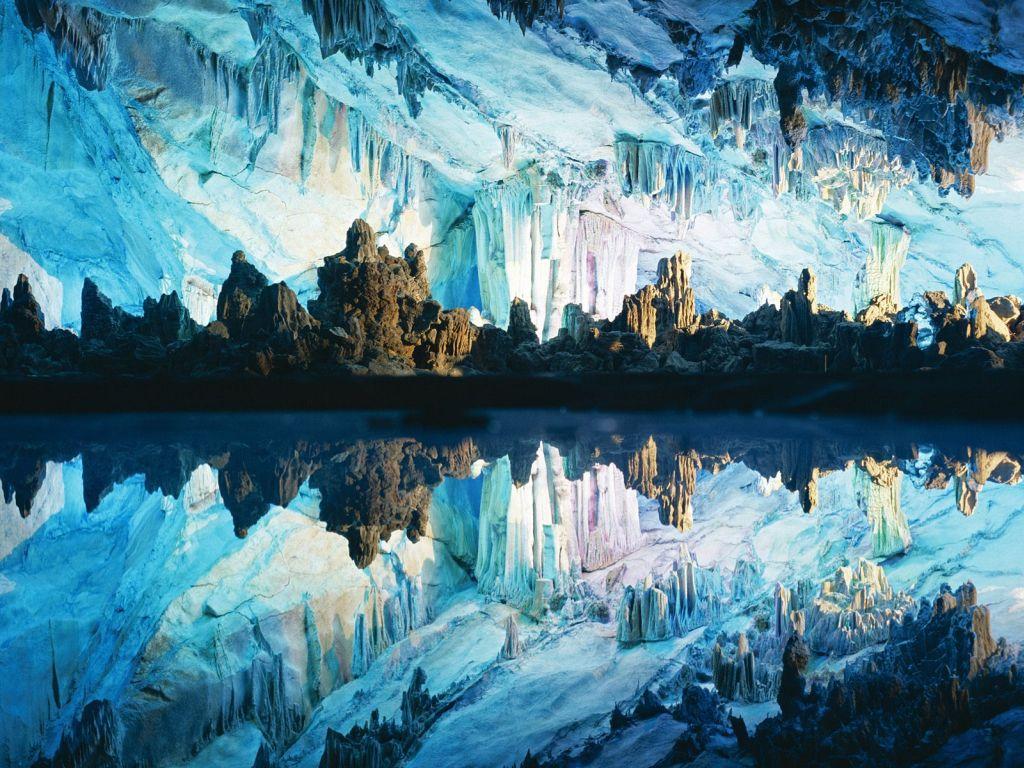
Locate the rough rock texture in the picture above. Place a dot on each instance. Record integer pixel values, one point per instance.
(26, 347)
(941, 674)
(798, 309)
(666, 306)
(687, 596)
(239, 292)
(740, 677)
(385, 743)
(855, 608)
(374, 315)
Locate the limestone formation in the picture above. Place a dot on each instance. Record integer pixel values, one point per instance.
(381, 743)
(374, 315)
(685, 597)
(666, 306)
(965, 286)
(240, 291)
(986, 325)
(513, 645)
(855, 608)
(940, 674)
(23, 312)
(741, 678)
(26, 347)
(115, 333)
(877, 490)
(520, 325)
(792, 683)
(798, 308)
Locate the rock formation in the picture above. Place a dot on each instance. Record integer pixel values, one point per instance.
(741, 678)
(240, 291)
(513, 645)
(685, 597)
(941, 674)
(855, 608)
(374, 315)
(798, 309)
(384, 743)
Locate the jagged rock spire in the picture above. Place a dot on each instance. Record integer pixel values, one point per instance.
(798, 308)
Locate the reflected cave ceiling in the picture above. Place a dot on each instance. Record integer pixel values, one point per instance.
(548, 150)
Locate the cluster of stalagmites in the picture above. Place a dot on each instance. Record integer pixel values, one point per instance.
(374, 315)
(941, 674)
(940, 691)
(686, 597)
(382, 743)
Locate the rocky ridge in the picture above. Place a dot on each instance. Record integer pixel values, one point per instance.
(374, 315)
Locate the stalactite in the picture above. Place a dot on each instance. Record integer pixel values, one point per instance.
(363, 30)
(509, 137)
(379, 162)
(524, 237)
(526, 12)
(740, 103)
(606, 517)
(666, 174)
(79, 34)
(522, 553)
(851, 169)
(604, 267)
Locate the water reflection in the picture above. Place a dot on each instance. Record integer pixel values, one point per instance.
(208, 589)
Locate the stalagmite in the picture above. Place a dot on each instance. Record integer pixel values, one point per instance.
(741, 678)
(798, 309)
(685, 597)
(513, 645)
(382, 743)
(855, 608)
(880, 275)
(965, 286)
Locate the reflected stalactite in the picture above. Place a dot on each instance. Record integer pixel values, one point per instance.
(877, 489)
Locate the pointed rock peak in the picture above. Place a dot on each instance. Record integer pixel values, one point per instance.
(520, 323)
(237, 257)
(360, 242)
(965, 285)
(809, 284)
(5, 300)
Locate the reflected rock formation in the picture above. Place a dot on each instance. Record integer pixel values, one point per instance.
(265, 590)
